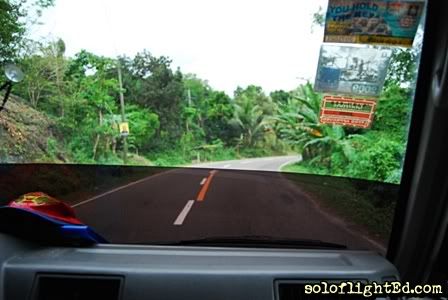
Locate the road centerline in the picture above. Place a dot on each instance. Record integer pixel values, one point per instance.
(183, 214)
(205, 187)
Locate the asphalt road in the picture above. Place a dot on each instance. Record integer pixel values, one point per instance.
(255, 164)
(216, 199)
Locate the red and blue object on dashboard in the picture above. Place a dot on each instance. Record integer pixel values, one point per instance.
(42, 218)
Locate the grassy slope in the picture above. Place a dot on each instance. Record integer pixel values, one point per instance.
(24, 135)
(367, 205)
(24, 138)
(30, 136)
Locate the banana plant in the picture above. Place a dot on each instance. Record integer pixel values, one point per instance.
(297, 122)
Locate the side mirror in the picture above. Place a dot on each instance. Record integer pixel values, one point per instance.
(14, 75)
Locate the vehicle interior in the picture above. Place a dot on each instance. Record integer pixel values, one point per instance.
(130, 221)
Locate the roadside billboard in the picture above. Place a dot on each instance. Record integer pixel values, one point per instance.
(385, 22)
(347, 111)
(124, 128)
(352, 70)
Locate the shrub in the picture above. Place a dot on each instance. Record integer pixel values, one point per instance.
(378, 158)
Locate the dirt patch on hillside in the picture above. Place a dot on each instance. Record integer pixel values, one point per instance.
(25, 134)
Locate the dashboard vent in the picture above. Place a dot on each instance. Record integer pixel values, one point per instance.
(77, 287)
(296, 291)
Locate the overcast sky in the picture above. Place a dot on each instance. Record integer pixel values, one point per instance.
(228, 42)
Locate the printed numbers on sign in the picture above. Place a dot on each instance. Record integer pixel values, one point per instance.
(364, 89)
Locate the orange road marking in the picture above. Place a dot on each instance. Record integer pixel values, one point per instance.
(204, 189)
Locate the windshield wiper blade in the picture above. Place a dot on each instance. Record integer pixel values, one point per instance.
(255, 241)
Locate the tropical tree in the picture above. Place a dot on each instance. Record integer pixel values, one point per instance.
(143, 125)
(297, 120)
(195, 105)
(279, 96)
(161, 90)
(92, 136)
(248, 118)
(402, 67)
(295, 127)
(14, 16)
(36, 85)
(220, 110)
(206, 112)
(258, 97)
(57, 65)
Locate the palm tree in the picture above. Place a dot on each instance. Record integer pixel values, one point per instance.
(248, 117)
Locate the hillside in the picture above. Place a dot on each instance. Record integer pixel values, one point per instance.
(27, 135)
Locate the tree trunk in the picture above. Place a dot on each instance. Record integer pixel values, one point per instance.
(95, 146)
(61, 101)
(97, 138)
(31, 96)
(107, 146)
(114, 145)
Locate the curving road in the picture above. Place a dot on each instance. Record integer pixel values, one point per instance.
(215, 199)
(274, 163)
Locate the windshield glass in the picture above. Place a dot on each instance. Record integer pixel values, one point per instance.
(168, 121)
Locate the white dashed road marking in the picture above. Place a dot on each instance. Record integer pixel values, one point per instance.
(183, 214)
(203, 181)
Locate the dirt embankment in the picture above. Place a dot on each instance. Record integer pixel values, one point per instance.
(31, 159)
(27, 135)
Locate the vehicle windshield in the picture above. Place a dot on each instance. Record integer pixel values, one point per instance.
(169, 122)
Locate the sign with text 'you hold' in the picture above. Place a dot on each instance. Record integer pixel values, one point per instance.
(384, 22)
(348, 70)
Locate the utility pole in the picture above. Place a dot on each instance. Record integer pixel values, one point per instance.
(123, 114)
(189, 105)
(189, 97)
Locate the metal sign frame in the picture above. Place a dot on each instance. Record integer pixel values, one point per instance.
(347, 111)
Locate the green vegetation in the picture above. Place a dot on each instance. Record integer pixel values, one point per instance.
(179, 119)
(68, 110)
(174, 118)
(369, 206)
(375, 153)
(15, 17)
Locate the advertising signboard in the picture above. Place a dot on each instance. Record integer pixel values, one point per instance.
(385, 22)
(352, 70)
(347, 111)
(124, 129)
